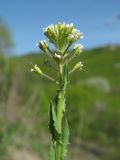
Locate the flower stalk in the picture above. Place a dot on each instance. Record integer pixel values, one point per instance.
(62, 36)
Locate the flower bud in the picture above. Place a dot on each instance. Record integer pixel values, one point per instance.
(79, 65)
(43, 45)
(36, 69)
(71, 38)
(77, 49)
(51, 33)
(58, 57)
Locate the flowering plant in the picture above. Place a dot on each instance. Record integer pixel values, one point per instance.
(62, 36)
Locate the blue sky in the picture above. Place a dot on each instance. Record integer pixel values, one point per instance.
(26, 18)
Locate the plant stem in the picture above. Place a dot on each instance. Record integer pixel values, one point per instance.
(48, 77)
(59, 118)
(60, 108)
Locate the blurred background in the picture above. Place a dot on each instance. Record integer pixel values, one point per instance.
(93, 96)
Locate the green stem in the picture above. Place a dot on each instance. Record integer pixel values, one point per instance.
(48, 77)
(66, 49)
(60, 109)
(71, 58)
(59, 119)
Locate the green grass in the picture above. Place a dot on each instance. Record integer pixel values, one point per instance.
(94, 110)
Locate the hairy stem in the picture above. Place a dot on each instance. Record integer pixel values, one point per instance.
(60, 108)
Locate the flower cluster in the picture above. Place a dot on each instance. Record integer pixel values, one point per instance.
(61, 35)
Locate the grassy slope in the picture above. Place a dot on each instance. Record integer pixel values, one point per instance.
(93, 109)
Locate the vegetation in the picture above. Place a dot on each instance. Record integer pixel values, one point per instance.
(93, 106)
(62, 36)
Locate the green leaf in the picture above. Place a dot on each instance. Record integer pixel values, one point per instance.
(53, 123)
(65, 139)
(52, 153)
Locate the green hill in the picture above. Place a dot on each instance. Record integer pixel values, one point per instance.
(93, 105)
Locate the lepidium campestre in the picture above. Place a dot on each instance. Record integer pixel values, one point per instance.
(62, 36)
